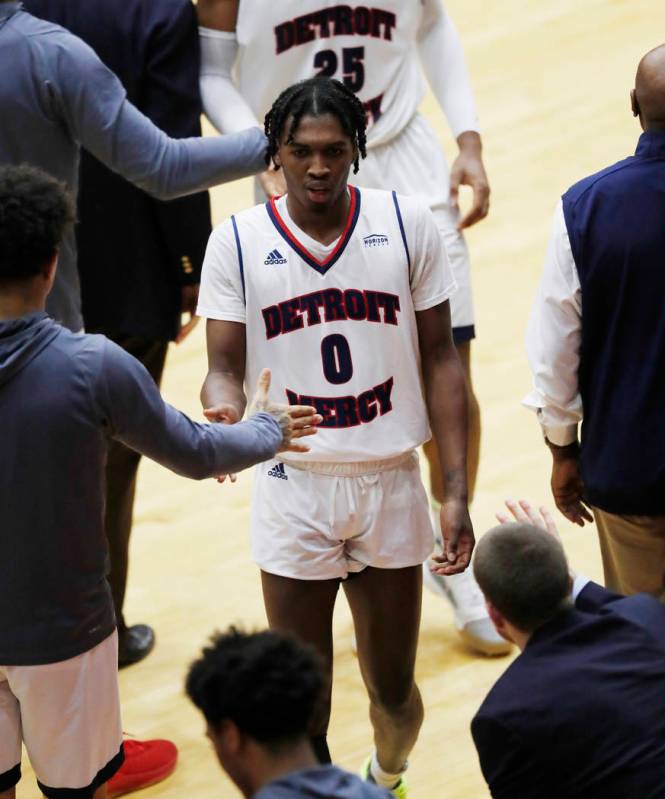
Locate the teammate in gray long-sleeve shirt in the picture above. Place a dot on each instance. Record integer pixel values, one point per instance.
(56, 96)
(62, 397)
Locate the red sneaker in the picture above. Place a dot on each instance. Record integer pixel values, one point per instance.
(146, 762)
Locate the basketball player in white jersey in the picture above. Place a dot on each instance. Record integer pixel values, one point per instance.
(344, 292)
(252, 49)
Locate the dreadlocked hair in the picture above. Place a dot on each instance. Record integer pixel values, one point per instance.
(315, 97)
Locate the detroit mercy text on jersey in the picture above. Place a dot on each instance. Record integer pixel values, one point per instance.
(336, 325)
(369, 47)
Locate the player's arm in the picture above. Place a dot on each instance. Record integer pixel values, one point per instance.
(442, 57)
(222, 102)
(445, 394)
(223, 394)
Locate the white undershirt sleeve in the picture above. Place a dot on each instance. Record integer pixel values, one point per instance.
(223, 104)
(442, 58)
(553, 340)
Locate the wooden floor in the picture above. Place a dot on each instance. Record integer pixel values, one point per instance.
(552, 82)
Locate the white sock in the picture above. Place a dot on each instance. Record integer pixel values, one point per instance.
(384, 778)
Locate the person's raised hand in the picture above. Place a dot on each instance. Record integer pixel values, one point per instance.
(458, 539)
(296, 421)
(523, 512)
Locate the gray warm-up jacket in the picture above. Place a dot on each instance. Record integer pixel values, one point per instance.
(62, 397)
(57, 96)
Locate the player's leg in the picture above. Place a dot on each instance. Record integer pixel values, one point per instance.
(302, 560)
(10, 739)
(386, 604)
(70, 717)
(304, 608)
(392, 537)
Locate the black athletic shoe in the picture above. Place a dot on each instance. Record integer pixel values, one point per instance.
(134, 644)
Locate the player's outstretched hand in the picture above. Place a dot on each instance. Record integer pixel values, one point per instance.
(458, 539)
(296, 421)
(522, 511)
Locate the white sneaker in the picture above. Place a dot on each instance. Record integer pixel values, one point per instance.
(471, 619)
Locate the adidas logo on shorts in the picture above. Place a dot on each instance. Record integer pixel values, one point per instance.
(274, 257)
(278, 471)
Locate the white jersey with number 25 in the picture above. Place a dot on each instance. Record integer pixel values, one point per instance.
(335, 324)
(372, 48)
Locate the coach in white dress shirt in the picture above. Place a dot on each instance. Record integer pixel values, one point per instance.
(596, 345)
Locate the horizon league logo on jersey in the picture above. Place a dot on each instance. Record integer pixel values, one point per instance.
(376, 240)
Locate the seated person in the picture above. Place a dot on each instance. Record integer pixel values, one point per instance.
(257, 692)
(580, 712)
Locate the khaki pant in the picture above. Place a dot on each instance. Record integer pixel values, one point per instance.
(633, 552)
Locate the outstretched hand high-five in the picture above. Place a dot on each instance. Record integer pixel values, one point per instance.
(296, 421)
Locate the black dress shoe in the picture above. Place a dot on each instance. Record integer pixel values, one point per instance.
(134, 644)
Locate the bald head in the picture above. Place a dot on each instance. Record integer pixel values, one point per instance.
(523, 572)
(648, 97)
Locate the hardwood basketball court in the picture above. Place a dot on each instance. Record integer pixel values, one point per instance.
(552, 82)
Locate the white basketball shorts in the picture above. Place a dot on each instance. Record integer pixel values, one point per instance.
(68, 715)
(314, 524)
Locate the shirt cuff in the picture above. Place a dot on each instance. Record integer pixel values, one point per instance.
(560, 435)
(579, 584)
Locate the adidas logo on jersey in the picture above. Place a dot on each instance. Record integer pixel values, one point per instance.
(278, 471)
(376, 240)
(273, 258)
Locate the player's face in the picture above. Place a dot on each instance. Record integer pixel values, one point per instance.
(316, 161)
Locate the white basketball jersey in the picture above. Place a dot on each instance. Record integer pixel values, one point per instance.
(372, 49)
(336, 325)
